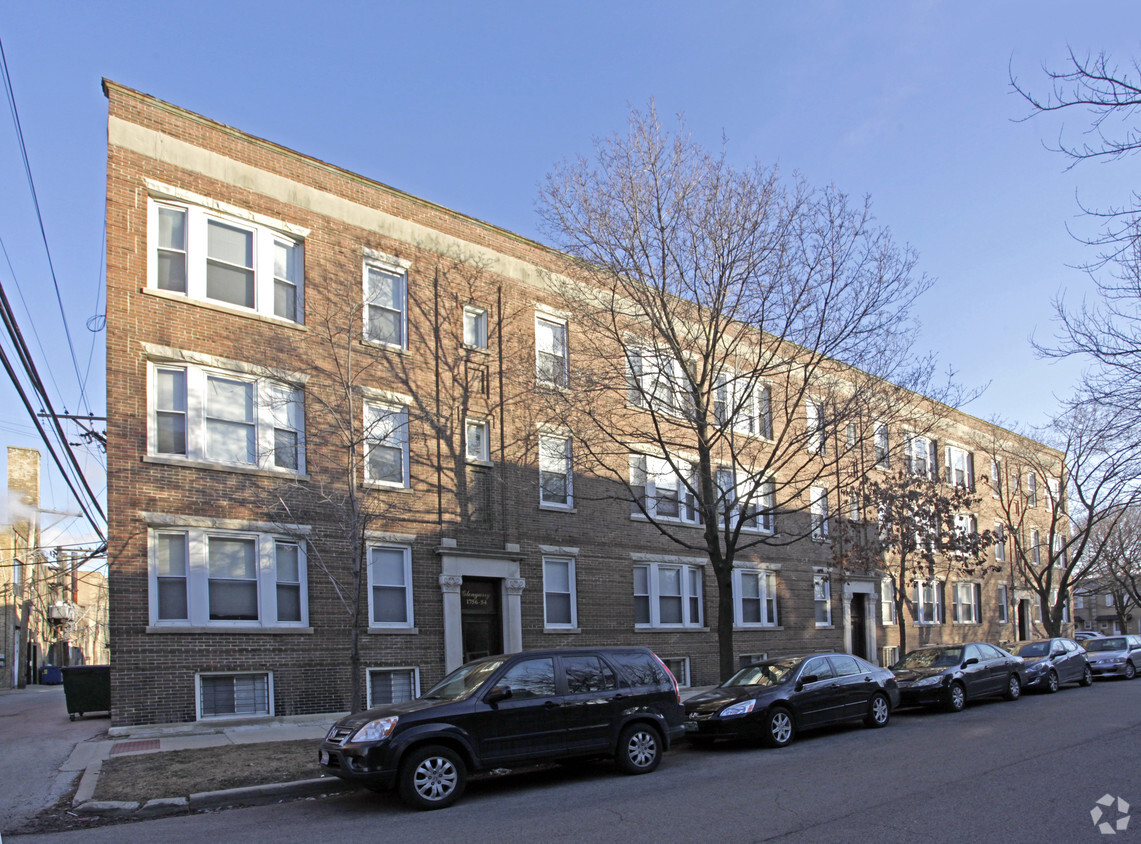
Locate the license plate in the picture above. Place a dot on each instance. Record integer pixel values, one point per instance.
(324, 757)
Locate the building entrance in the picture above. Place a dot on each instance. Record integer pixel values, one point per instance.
(859, 626)
(481, 617)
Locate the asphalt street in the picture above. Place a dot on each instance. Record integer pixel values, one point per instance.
(1029, 770)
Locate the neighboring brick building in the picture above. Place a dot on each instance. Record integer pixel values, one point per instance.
(231, 262)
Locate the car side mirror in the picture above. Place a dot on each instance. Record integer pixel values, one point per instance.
(974, 660)
(498, 693)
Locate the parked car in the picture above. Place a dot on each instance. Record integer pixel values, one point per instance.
(1114, 656)
(775, 699)
(509, 710)
(1052, 662)
(1081, 635)
(950, 675)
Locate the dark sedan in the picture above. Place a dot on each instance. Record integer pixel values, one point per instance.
(775, 699)
(950, 675)
(1052, 662)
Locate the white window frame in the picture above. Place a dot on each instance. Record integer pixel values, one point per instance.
(475, 327)
(760, 517)
(1031, 489)
(481, 452)
(815, 427)
(966, 602)
(995, 479)
(887, 602)
(410, 621)
(652, 474)
(746, 408)
(682, 677)
(569, 563)
(929, 593)
(198, 695)
(1003, 604)
(881, 443)
(889, 655)
(822, 598)
(398, 270)
(558, 462)
(265, 236)
(386, 426)
(956, 460)
(919, 456)
(818, 509)
(1035, 542)
(277, 405)
(561, 378)
(195, 547)
(691, 595)
(999, 542)
(766, 598)
(397, 669)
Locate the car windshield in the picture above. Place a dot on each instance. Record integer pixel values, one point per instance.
(1035, 649)
(931, 658)
(1117, 643)
(463, 682)
(763, 674)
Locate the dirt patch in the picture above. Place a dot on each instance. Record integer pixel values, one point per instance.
(183, 772)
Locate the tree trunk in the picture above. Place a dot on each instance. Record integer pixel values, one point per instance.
(727, 667)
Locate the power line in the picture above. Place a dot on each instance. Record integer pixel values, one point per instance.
(40, 219)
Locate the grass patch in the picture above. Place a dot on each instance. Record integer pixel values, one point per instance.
(180, 773)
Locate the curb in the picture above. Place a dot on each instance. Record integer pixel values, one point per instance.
(246, 796)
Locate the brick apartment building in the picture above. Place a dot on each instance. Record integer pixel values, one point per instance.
(277, 325)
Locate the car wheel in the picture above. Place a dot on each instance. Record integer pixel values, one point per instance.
(879, 711)
(432, 777)
(779, 727)
(956, 697)
(1087, 677)
(1013, 688)
(639, 749)
(1051, 683)
(1130, 670)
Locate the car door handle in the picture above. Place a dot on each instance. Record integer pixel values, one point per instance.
(551, 704)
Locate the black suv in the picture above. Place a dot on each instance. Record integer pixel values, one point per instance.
(510, 710)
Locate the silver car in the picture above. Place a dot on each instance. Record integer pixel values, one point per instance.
(1114, 656)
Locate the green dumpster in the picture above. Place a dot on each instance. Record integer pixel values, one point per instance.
(87, 689)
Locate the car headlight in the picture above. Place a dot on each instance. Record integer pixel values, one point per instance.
(738, 709)
(376, 730)
(930, 681)
(1036, 668)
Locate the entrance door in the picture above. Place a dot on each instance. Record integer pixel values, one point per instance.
(482, 617)
(859, 626)
(1023, 620)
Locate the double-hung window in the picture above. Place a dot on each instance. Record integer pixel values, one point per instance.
(667, 595)
(551, 351)
(386, 443)
(390, 586)
(1035, 553)
(887, 601)
(822, 599)
(959, 467)
(746, 405)
(654, 381)
(202, 577)
(559, 605)
(817, 441)
(919, 456)
(967, 600)
(227, 256)
(476, 446)
(755, 598)
(1003, 604)
(1031, 489)
(386, 304)
(475, 327)
(882, 446)
(929, 602)
(747, 499)
(556, 480)
(661, 490)
(996, 479)
(999, 542)
(819, 512)
(212, 415)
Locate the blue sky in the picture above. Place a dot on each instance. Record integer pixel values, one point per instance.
(470, 105)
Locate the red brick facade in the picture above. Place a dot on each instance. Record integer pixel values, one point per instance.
(454, 510)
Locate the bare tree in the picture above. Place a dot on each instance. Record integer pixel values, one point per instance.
(728, 328)
(1060, 505)
(1117, 573)
(919, 533)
